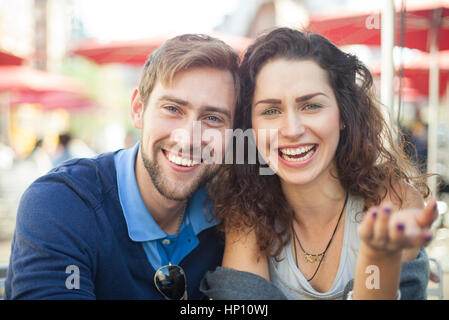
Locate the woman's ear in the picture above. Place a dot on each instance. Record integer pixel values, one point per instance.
(137, 109)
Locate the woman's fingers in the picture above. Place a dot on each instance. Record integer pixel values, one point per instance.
(420, 240)
(374, 228)
(397, 233)
(366, 228)
(428, 215)
(406, 232)
(417, 223)
(381, 232)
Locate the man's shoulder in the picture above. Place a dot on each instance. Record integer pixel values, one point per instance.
(86, 178)
(87, 166)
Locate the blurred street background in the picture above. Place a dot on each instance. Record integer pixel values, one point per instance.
(68, 69)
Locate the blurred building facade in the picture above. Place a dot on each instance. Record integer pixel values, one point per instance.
(38, 30)
(253, 17)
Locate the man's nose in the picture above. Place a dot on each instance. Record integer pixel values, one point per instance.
(188, 136)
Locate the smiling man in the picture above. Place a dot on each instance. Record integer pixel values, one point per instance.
(135, 223)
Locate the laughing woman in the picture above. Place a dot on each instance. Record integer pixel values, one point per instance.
(344, 216)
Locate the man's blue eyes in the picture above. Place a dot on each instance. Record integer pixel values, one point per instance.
(213, 118)
(174, 109)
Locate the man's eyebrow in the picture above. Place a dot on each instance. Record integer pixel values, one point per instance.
(185, 103)
(173, 99)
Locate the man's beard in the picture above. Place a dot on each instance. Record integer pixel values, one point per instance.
(160, 184)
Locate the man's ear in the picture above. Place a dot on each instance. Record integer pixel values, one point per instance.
(137, 110)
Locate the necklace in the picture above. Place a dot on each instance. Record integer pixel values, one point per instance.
(309, 257)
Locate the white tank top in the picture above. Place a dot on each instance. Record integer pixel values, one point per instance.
(289, 279)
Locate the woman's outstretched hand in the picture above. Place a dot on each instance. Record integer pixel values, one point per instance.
(385, 231)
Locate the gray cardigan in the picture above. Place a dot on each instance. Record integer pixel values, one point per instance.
(230, 284)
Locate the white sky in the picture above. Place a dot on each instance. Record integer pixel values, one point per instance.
(132, 19)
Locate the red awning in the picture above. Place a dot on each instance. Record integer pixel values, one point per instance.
(136, 52)
(8, 59)
(416, 72)
(29, 79)
(27, 85)
(363, 27)
(52, 100)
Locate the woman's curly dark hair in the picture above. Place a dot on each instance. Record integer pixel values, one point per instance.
(368, 161)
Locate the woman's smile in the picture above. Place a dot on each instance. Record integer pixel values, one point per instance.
(297, 156)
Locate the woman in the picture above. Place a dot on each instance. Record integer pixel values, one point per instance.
(344, 203)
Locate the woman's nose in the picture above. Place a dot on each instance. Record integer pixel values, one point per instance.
(292, 127)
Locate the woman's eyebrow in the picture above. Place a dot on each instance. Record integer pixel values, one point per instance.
(269, 101)
(309, 96)
(299, 99)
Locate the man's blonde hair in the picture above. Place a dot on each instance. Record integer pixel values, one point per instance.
(184, 52)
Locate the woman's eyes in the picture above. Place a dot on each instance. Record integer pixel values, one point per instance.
(307, 107)
(312, 106)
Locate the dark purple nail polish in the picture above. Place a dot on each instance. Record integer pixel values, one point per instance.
(435, 207)
(374, 214)
(428, 237)
(387, 210)
(400, 226)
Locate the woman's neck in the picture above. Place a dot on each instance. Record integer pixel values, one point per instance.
(317, 203)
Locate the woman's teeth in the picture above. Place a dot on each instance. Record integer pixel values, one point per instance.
(307, 152)
(182, 161)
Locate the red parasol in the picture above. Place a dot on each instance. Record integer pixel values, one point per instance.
(7, 59)
(136, 52)
(416, 74)
(363, 27)
(52, 100)
(27, 85)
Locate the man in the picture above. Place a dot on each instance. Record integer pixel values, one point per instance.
(134, 223)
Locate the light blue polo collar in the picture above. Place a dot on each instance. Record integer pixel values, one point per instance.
(140, 223)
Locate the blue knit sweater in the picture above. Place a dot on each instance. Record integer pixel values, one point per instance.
(70, 222)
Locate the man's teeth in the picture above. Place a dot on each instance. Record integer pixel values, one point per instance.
(181, 161)
(289, 151)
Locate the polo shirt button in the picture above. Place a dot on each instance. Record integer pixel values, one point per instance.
(166, 242)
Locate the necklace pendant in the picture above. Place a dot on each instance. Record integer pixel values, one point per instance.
(311, 258)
